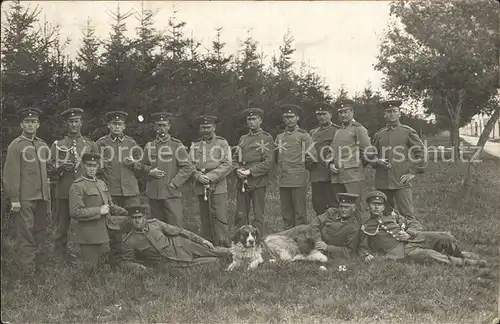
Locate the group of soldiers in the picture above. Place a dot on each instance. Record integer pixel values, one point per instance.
(97, 182)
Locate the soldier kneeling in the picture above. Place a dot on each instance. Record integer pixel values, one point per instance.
(395, 237)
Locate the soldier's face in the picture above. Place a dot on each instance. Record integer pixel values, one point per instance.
(346, 209)
(254, 122)
(376, 208)
(90, 169)
(138, 221)
(74, 125)
(207, 129)
(116, 127)
(392, 115)
(290, 120)
(323, 117)
(346, 115)
(162, 127)
(30, 125)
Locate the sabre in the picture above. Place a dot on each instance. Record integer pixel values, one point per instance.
(244, 182)
(205, 187)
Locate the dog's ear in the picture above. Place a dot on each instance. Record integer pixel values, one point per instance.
(236, 236)
(257, 235)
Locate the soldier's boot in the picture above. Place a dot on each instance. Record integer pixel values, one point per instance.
(466, 262)
(470, 255)
(477, 263)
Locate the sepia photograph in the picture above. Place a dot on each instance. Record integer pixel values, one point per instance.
(250, 161)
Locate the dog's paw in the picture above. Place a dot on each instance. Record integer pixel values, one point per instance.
(253, 265)
(272, 260)
(231, 267)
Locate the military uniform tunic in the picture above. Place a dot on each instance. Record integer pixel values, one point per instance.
(295, 153)
(402, 147)
(323, 192)
(120, 179)
(86, 197)
(254, 152)
(25, 181)
(212, 158)
(163, 243)
(67, 150)
(379, 238)
(169, 155)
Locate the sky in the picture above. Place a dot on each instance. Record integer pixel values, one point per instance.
(339, 39)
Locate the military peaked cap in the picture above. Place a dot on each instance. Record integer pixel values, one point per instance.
(91, 157)
(161, 116)
(347, 198)
(378, 196)
(391, 104)
(344, 104)
(206, 120)
(30, 112)
(290, 110)
(250, 112)
(116, 115)
(137, 210)
(72, 113)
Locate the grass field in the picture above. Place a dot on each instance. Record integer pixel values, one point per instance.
(382, 292)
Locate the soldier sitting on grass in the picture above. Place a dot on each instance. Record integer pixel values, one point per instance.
(153, 242)
(395, 237)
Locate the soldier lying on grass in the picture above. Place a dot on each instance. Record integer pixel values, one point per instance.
(395, 237)
(336, 233)
(153, 242)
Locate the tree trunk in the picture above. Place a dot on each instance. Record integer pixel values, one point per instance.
(483, 138)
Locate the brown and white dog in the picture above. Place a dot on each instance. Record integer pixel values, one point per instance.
(246, 248)
(287, 249)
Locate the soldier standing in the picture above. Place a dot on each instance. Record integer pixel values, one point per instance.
(402, 157)
(212, 158)
(26, 186)
(253, 162)
(167, 164)
(348, 151)
(324, 193)
(65, 164)
(90, 204)
(293, 156)
(119, 155)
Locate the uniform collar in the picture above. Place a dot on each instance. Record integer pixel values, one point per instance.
(255, 133)
(27, 138)
(348, 123)
(89, 179)
(207, 140)
(117, 138)
(290, 131)
(327, 125)
(74, 138)
(162, 139)
(393, 126)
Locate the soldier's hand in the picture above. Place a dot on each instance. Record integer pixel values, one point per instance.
(406, 178)
(128, 162)
(208, 244)
(104, 209)
(204, 179)
(239, 173)
(155, 173)
(384, 164)
(320, 245)
(15, 207)
(369, 258)
(334, 169)
(402, 236)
